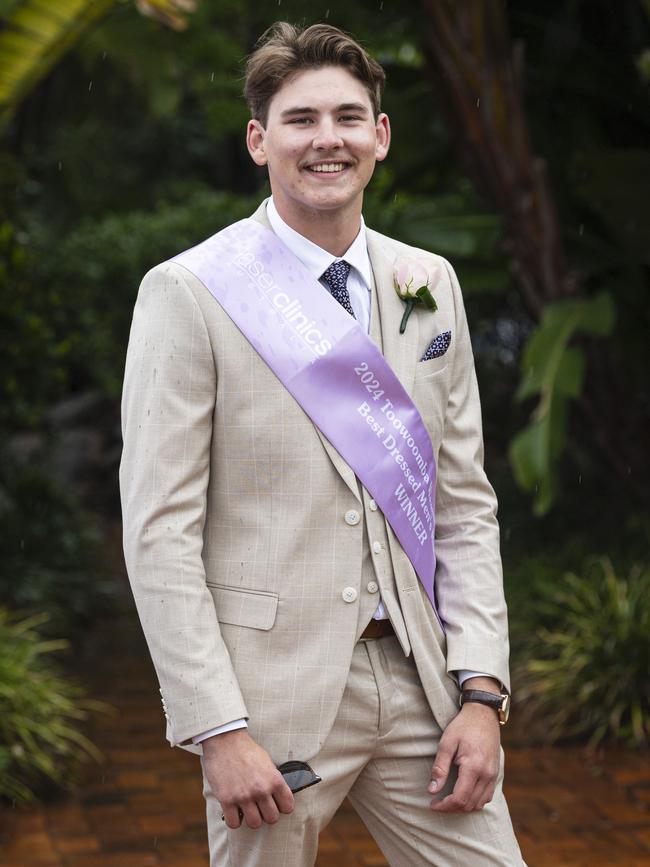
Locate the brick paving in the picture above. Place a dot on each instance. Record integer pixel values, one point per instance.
(143, 806)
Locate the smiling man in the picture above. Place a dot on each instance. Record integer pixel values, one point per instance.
(308, 529)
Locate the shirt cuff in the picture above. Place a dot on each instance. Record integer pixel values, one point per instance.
(220, 730)
(464, 674)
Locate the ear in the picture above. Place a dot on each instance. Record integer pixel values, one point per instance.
(255, 142)
(382, 129)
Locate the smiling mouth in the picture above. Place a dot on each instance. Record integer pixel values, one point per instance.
(327, 168)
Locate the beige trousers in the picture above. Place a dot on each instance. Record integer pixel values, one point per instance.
(379, 753)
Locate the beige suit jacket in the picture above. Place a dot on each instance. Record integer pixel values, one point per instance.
(234, 533)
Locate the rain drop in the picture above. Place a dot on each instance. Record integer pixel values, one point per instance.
(90, 86)
(478, 101)
(327, 14)
(212, 76)
(581, 230)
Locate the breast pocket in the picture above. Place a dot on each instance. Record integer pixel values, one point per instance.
(433, 367)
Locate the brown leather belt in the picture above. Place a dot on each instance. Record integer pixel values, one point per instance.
(377, 629)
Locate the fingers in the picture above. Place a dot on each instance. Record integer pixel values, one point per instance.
(284, 797)
(232, 815)
(260, 808)
(473, 790)
(442, 764)
(252, 815)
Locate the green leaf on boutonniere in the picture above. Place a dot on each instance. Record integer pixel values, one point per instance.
(424, 294)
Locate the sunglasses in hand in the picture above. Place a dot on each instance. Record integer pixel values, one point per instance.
(297, 775)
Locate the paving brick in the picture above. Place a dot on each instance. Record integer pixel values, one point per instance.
(77, 845)
(34, 845)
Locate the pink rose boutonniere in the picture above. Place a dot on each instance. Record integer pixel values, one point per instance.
(413, 282)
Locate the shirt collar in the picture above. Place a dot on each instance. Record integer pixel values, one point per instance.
(314, 258)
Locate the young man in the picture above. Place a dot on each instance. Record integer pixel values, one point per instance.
(282, 464)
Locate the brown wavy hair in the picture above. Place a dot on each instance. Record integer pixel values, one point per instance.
(285, 50)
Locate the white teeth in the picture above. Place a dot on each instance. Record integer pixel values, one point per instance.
(328, 167)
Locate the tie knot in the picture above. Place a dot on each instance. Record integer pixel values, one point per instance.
(336, 276)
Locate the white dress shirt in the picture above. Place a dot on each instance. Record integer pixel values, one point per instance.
(317, 261)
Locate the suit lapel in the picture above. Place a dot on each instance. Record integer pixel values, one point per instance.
(400, 350)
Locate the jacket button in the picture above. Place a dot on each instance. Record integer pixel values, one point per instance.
(373, 506)
(376, 547)
(349, 594)
(352, 517)
(372, 587)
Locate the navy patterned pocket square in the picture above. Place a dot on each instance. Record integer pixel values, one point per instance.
(438, 346)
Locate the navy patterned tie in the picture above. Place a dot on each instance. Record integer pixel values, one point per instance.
(336, 277)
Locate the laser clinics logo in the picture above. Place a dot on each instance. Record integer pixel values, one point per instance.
(289, 307)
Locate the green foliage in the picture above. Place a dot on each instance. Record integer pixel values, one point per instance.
(32, 354)
(98, 268)
(585, 671)
(41, 741)
(553, 370)
(453, 225)
(49, 553)
(32, 40)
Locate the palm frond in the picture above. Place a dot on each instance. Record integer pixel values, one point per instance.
(35, 34)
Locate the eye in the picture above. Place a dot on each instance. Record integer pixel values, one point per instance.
(301, 121)
(346, 118)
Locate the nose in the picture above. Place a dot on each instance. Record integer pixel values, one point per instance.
(326, 136)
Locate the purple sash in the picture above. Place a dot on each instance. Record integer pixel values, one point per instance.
(335, 372)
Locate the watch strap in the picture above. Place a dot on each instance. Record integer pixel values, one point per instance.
(500, 702)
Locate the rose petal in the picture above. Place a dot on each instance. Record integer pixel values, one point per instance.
(420, 275)
(402, 273)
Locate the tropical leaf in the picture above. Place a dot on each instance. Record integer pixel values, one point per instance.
(553, 370)
(35, 34)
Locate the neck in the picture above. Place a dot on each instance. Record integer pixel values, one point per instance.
(333, 230)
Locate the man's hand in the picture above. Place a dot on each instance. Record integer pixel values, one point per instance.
(243, 778)
(471, 741)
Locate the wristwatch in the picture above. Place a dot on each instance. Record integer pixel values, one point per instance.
(499, 701)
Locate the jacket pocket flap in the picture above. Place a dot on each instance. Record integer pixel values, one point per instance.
(242, 607)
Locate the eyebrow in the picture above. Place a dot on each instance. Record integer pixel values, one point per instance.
(346, 106)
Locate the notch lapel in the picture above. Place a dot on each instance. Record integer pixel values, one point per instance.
(400, 350)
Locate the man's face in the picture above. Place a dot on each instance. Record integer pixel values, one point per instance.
(320, 143)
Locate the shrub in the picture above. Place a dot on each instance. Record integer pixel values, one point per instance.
(586, 671)
(48, 552)
(97, 269)
(40, 713)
